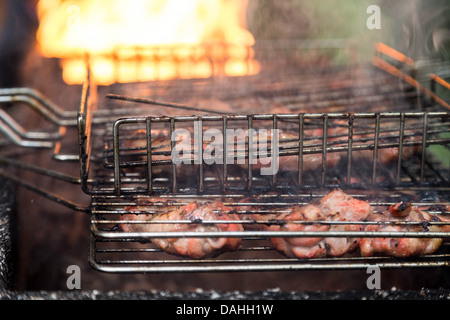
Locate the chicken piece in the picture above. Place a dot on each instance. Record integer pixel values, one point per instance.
(400, 210)
(301, 247)
(161, 143)
(402, 246)
(338, 137)
(338, 206)
(280, 110)
(195, 248)
(137, 143)
(387, 155)
(335, 206)
(287, 141)
(247, 212)
(136, 147)
(147, 209)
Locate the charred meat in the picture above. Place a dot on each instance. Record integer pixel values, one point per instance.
(190, 218)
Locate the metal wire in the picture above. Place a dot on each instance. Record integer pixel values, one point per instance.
(357, 141)
(105, 220)
(110, 171)
(113, 250)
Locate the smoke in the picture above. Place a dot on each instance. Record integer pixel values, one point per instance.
(418, 28)
(421, 28)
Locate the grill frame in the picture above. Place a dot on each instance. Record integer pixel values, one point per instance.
(324, 149)
(156, 261)
(218, 265)
(88, 117)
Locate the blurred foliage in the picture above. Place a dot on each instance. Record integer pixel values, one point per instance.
(325, 19)
(415, 27)
(418, 28)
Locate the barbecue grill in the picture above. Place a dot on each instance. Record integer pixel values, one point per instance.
(111, 157)
(121, 166)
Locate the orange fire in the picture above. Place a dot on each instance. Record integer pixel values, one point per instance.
(144, 40)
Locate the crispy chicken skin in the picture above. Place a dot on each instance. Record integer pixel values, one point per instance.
(402, 246)
(332, 212)
(253, 214)
(194, 248)
(130, 222)
(301, 247)
(400, 210)
(288, 140)
(161, 149)
(335, 206)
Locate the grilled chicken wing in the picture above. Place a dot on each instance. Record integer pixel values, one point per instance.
(288, 141)
(161, 146)
(402, 246)
(301, 247)
(194, 214)
(338, 206)
(255, 213)
(145, 210)
(335, 206)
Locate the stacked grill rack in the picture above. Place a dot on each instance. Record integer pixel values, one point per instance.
(115, 251)
(116, 173)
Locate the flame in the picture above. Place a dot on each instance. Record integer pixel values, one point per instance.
(142, 40)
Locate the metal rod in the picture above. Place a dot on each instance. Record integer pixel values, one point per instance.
(24, 135)
(375, 150)
(225, 155)
(262, 222)
(200, 154)
(47, 194)
(292, 116)
(301, 123)
(19, 141)
(436, 79)
(250, 153)
(267, 198)
(39, 170)
(240, 261)
(116, 157)
(269, 234)
(84, 126)
(424, 147)
(324, 149)
(40, 98)
(172, 148)
(162, 103)
(408, 79)
(265, 267)
(350, 148)
(149, 155)
(385, 49)
(400, 148)
(273, 146)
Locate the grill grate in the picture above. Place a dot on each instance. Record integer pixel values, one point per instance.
(123, 160)
(357, 134)
(118, 251)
